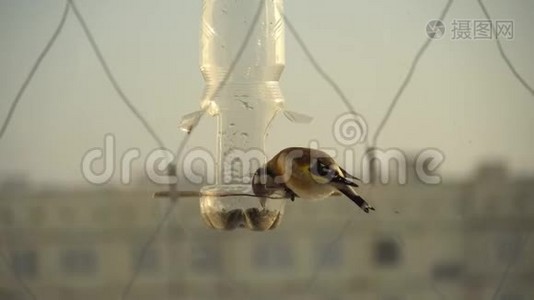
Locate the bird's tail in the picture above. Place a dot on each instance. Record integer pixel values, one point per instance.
(349, 192)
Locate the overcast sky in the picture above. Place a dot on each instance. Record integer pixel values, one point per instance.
(463, 99)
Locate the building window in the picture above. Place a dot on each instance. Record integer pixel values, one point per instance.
(101, 215)
(511, 297)
(507, 246)
(67, 215)
(275, 255)
(447, 271)
(13, 293)
(386, 252)
(149, 264)
(328, 254)
(6, 216)
(127, 214)
(79, 261)
(523, 200)
(206, 257)
(24, 263)
(37, 215)
(491, 204)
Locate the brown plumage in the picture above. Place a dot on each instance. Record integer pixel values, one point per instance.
(305, 173)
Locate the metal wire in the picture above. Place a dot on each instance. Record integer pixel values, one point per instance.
(520, 251)
(513, 260)
(71, 4)
(111, 77)
(350, 107)
(17, 276)
(148, 244)
(167, 194)
(346, 226)
(503, 54)
(7, 121)
(172, 165)
(311, 281)
(407, 79)
(317, 66)
(33, 70)
(173, 191)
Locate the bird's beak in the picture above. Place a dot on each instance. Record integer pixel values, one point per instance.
(343, 180)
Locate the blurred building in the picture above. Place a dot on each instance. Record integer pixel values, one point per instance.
(446, 241)
(499, 220)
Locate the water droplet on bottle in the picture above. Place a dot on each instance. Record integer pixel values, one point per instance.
(297, 117)
(245, 104)
(191, 120)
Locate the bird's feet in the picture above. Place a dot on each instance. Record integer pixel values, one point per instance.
(290, 194)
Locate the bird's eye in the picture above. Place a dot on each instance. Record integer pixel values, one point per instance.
(322, 170)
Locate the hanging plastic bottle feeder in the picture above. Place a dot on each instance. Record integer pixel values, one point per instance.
(244, 103)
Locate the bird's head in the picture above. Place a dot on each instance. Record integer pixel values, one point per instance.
(324, 169)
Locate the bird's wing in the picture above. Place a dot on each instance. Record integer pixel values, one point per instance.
(275, 183)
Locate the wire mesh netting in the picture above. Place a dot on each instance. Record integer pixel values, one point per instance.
(464, 237)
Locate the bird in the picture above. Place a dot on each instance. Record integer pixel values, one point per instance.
(305, 173)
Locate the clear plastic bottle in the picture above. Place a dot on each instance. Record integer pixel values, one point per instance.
(244, 106)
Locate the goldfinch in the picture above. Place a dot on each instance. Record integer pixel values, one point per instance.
(305, 173)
